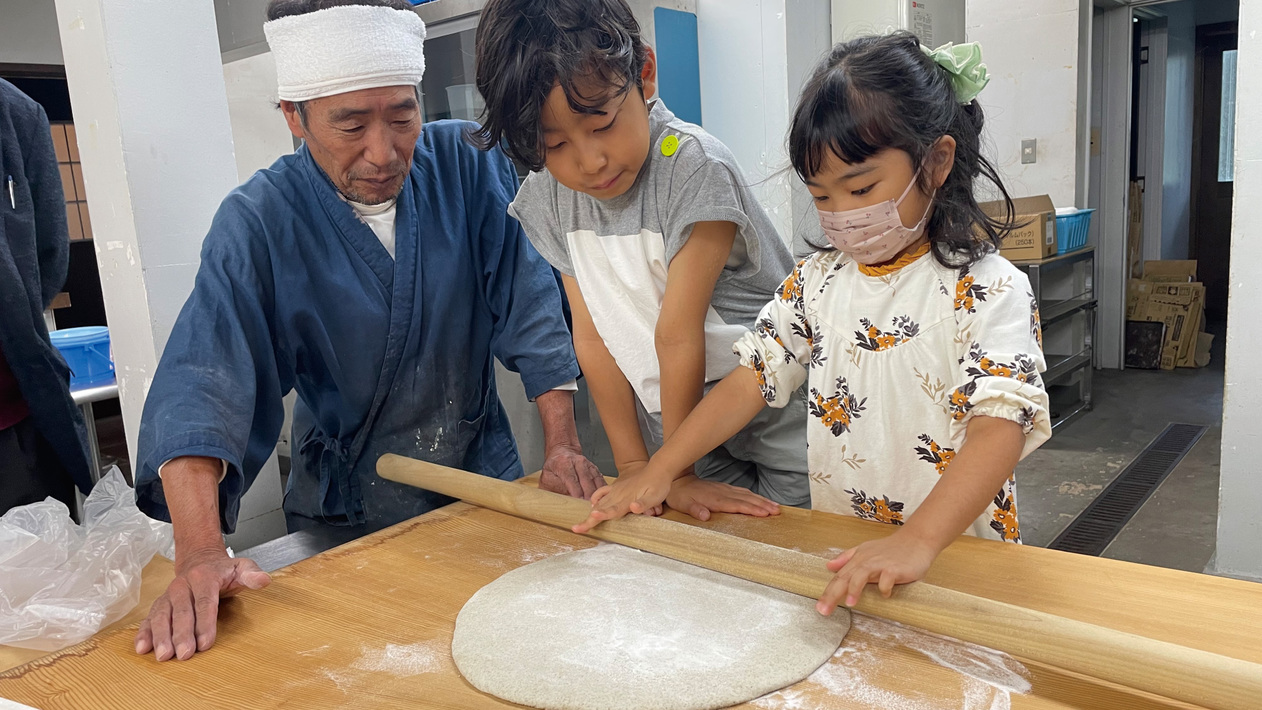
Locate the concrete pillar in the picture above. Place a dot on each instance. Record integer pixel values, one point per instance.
(1239, 552)
(147, 89)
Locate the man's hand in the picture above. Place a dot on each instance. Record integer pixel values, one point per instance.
(567, 471)
(182, 621)
(700, 498)
(898, 559)
(638, 490)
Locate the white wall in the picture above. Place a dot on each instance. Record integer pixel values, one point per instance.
(1240, 493)
(744, 92)
(28, 32)
(1032, 50)
(259, 133)
(754, 54)
(1176, 183)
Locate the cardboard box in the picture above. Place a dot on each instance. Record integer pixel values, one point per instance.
(1178, 328)
(1180, 306)
(1169, 293)
(1170, 271)
(87, 221)
(60, 145)
(1034, 237)
(67, 181)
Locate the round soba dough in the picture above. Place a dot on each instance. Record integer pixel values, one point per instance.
(613, 628)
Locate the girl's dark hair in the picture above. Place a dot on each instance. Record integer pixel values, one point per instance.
(526, 47)
(277, 9)
(873, 93)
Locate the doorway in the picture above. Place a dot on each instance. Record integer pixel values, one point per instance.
(1213, 169)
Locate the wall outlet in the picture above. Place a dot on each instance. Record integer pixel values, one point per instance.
(1029, 151)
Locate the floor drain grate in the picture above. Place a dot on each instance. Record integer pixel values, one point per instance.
(1095, 527)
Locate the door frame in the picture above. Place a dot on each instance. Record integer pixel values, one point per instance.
(1151, 130)
(1114, 32)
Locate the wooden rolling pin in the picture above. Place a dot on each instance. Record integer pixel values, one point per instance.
(1198, 677)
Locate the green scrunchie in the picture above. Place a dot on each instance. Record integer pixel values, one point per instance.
(964, 63)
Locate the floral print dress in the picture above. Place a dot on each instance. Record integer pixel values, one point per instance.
(897, 361)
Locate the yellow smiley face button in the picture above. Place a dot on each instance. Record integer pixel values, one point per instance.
(670, 144)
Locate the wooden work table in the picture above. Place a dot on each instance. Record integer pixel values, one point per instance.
(318, 635)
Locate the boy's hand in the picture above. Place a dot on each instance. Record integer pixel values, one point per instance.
(700, 499)
(637, 490)
(898, 559)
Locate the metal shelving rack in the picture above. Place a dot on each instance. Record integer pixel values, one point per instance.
(1058, 311)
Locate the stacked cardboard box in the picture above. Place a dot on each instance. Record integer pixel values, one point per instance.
(66, 145)
(1034, 237)
(1169, 293)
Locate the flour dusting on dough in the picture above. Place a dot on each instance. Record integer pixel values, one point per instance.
(987, 677)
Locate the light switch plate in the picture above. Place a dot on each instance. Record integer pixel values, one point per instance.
(1029, 151)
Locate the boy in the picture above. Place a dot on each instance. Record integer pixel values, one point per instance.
(665, 254)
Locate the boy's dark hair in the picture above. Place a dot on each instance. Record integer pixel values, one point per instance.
(526, 47)
(277, 9)
(873, 93)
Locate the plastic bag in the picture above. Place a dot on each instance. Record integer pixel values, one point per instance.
(60, 583)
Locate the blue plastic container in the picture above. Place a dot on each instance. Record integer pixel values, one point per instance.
(87, 352)
(1071, 230)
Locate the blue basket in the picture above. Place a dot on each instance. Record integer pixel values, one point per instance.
(1071, 230)
(87, 352)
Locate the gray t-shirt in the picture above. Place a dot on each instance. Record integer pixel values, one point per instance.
(619, 250)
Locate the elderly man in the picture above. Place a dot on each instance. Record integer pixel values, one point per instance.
(376, 271)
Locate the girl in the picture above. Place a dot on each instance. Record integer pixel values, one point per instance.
(920, 345)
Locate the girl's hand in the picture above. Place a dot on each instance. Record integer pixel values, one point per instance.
(700, 498)
(897, 559)
(638, 490)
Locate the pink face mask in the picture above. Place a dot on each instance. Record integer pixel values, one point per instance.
(875, 234)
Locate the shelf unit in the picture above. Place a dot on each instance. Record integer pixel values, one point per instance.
(1060, 311)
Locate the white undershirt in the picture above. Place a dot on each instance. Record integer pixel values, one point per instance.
(380, 219)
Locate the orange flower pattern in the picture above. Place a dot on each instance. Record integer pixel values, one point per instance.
(1022, 368)
(961, 400)
(977, 349)
(759, 367)
(874, 339)
(939, 456)
(838, 411)
(1005, 515)
(790, 290)
(882, 510)
(968, 292)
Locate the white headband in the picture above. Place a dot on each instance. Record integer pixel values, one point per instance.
(346, 48)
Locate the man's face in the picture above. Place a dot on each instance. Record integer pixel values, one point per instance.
(363, 140)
